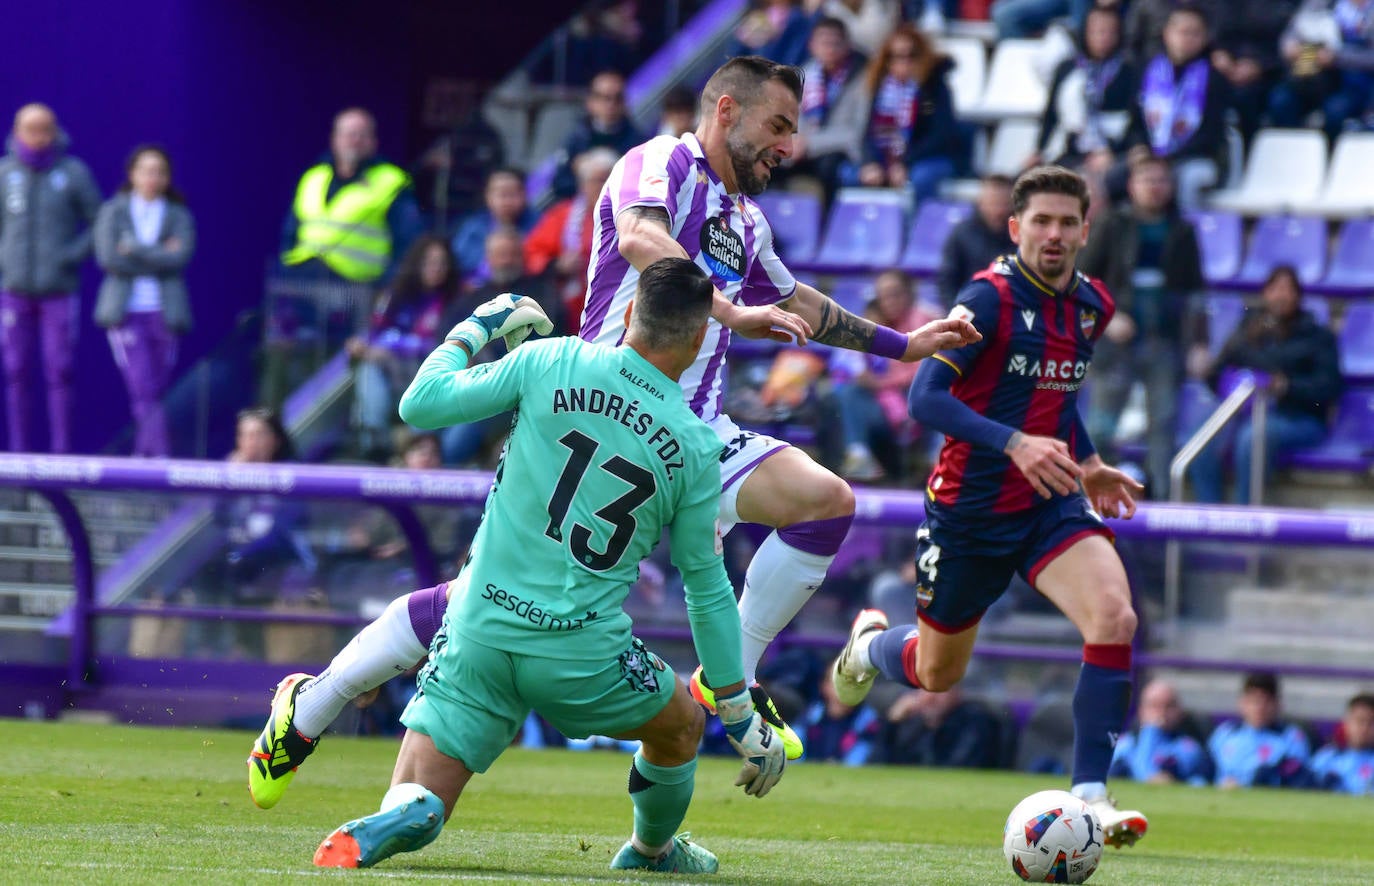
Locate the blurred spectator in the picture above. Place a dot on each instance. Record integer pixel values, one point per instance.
(1027, 18)
(466, 445)
(1147, 254)
(266, 558)
(560, 244)
(453, 172)
(1246, 53)
(354, 213)
(911, 137)
(679, 112)
(505, 204)
(405, 324)
(1161, 749)
(974, 242)
(607, 125)
(50, 203)
(870, 392)
(1296, 363)
(1145, 20)
(1347, 765)
(1329, 48)
(375, 534)
(866, 22)
(941, 729)
(835, 731)
(833, 105)
(1258, 750)
(606, 34)
(1091, 95)
(144, 238)
(774, 29)
(1181, 111)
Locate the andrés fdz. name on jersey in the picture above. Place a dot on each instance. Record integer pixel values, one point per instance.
(630, 414)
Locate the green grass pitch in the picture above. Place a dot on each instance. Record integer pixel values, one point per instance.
(110, 804)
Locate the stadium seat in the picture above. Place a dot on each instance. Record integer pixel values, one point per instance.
(1299, 241)
(1224, 313)
(551, 128)
(1357, 341)
(796, 221)
(970, 70)
(1350, 446)
(1319, 308)
(1195, 403)
(934, 220)
(1012, 143)
(1014, 87)
(864, 231)
(1352, 265)
(1348, 191)
(1219, 242)
(1285, 171)
(852, 293)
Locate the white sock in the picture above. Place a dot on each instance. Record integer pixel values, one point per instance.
(777, 585)
(1090, 791)
(861, 648)
(381, 650)
(649, 851)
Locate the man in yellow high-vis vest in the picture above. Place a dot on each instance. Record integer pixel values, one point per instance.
(354, 213)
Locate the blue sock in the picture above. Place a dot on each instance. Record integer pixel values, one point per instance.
(893, 653)
(1100, 704)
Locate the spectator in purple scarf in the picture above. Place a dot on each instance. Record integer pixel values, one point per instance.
(49, 203)
(144, 238)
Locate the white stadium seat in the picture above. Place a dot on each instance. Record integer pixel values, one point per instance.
(970, 70)
(1349, 188)
(1012, 143)
(1014, 86)
(1284, 172)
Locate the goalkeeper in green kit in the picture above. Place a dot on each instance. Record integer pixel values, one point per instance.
(603, 455)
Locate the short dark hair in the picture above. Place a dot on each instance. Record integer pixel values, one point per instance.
(672, 300)
(834, 24)
(1048, 180)
(517, 174)
(742, 78)
(1264, 681)
(1283, 270)
(418, 440)
(172, 194)
(1191, 9)
(1363, 700)
(998, 178)
(680, 97)
(1146, 160)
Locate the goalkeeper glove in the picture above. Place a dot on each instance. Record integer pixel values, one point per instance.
(754, 740)
(508, 316)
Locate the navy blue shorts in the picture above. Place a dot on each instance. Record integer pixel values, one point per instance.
(964, 564)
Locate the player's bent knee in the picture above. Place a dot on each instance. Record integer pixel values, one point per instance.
(1114, 621)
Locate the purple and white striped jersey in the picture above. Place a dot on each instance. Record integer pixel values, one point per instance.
(725, 234)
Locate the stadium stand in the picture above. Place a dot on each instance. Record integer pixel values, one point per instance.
(929, 230)
(966, 81)
(1220, 242)
(863, 232)
(1284, 172)
(1294, 240)
(1352, 261)
(1014, 87)
(1348, 191)
(796, 220)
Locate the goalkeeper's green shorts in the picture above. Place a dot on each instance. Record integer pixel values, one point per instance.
(474, 698)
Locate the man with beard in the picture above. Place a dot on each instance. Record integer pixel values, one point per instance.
(675, 198)
(1019, 488)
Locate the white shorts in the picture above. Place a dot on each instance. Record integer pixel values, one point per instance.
(744, 451)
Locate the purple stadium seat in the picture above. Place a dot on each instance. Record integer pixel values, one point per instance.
(1219, 241)
(852, 293)
(796, 222)
(1299, 241)
(1351, 444)
(864, 231)
(1223, 316)
(1352, 267)
(934, 219)
(1357, 341)
(1319, 308)
(1195, 403)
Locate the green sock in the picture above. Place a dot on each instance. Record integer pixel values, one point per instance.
(661, 795)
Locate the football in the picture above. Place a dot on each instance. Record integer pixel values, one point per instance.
(1052, 837)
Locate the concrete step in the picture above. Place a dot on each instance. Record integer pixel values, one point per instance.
(1300, 612)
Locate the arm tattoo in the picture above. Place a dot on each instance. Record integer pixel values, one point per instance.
(841, 329)
(655, 214)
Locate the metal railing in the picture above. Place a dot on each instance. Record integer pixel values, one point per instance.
(1245, 391)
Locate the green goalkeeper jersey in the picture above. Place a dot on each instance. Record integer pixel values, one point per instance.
(602, 456)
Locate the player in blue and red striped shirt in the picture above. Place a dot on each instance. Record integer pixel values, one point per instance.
(1019, 487)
